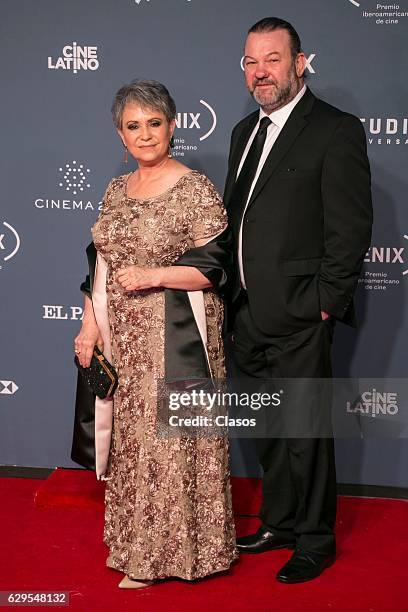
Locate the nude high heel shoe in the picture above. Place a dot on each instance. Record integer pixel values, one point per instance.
(131, 583)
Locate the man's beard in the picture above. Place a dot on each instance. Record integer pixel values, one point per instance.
(276, 96)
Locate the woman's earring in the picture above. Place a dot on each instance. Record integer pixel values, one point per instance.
(171, 145)
(125, 157)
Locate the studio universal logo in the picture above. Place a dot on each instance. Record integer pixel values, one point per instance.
(386, 130)
(389, 266)
(73, 178)
(191, 125)
(8, 387)
(76, 57)
(9, 242)
(308, 65)
(374, 403)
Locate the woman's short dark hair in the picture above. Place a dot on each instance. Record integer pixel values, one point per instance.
(268, 24)
(148, 94)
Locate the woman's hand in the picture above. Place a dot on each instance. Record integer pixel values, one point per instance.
(133, 278)
(85, 342)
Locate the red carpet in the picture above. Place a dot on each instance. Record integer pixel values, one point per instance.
(54, 543)
(80, 489)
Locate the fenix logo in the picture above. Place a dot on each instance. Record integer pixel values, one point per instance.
(387, 255)
(9, 242)
(192, 120)
(8, 387)
(382, 254)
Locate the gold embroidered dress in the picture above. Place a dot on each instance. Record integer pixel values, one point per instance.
(168, 500)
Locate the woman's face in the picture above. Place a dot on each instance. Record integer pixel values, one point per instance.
(146, 133)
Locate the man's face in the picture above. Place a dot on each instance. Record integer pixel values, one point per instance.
(272, 75)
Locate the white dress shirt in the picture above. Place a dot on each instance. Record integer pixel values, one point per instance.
(278, 118)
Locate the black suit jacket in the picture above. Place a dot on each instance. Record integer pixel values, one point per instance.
(308, 224)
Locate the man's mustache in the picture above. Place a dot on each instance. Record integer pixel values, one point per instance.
(263, 82)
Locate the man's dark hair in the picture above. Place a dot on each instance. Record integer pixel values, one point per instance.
(268, 24)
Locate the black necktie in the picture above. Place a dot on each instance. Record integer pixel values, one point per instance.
(244, 181)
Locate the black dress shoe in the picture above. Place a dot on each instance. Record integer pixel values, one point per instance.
(262, 541)
(304, 566)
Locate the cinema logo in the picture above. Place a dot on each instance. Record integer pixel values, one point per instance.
(73, 178)
(389, 267)
(75, 57)
(9, 242)
(379, 13)
(374, 403)
(386, 130)
(8, 387)
(193, 127)
(309, 59)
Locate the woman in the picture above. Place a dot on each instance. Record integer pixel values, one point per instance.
(168, 501)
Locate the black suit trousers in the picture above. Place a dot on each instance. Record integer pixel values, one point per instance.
(299, 482)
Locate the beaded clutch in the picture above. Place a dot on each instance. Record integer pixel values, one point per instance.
(101, 376)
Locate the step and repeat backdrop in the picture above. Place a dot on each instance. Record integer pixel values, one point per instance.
(61, 63)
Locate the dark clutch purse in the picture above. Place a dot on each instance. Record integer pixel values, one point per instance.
(101, 376)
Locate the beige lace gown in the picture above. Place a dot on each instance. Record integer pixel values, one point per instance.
(168, 500)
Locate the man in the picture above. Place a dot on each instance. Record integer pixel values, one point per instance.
(299, 204)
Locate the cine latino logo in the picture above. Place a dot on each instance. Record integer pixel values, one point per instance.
(76, 57)
(374, 403)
